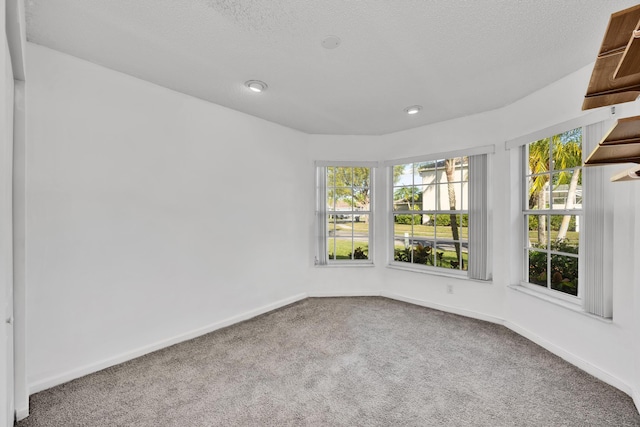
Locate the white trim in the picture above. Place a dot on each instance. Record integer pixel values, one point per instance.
(473, 151)
(52, 381)
(346, 163)
(428, 269)
(636, 398)
(558, 300)
(549, 294)
(340, 263)
(446, 308)
(22, 413)
(344, 294)
(572, 358)
(587, 119)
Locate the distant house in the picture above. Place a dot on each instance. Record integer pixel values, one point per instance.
(434, 181)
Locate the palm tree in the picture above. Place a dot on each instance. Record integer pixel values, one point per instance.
(538, 164)
(409, 195)
(449, 168)
(567, 154)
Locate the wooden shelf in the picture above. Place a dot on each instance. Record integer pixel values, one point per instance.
(620, 145)
(616, 75)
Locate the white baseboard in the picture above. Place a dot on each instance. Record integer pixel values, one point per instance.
(62, 378)
(441, 307)
(22, 413)
(344, 294)
(576, 361)
(636, 399)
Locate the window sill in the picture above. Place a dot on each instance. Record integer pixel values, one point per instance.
(577, 308)
(346, 264)
(434, 272)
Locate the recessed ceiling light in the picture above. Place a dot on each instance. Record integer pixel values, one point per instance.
(331, 42)
(414, 109)
(256, 85)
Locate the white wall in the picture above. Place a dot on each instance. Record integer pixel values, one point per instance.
(152, 216)
(6, 233)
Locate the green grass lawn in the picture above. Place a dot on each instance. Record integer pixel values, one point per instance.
(343, 248)
(400, 229)
(571, 238)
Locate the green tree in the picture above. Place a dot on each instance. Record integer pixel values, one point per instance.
(567, 153)
(409, 195)
(353, 184)
(538, 164)
(350, 184)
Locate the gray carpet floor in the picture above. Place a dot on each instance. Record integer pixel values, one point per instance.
(341, 362)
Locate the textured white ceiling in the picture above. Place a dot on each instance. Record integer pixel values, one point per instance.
(454, 57)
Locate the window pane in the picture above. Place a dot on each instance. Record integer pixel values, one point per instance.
(451, 255)
(361, 177)
(343, 176)
(464, 255)
(538, 231)
(360, 226)
(441, 175)
(428, 172)
(361, 199)
(565, 233)
(331, 200)
(450, 196)
(447, 226)
(464, 226)
(407, 198)
(441, 250)
(331, 182)
(464, 195)
(422, 228)
(403, 175)
(343, 248)
(331, 247)
(403, 237)
(423, 252)
(429, 197)
(564, 274)
(417, 174)
(566, 190)
(537, 268)
(538, 191)
(567, 149)
(538, 156)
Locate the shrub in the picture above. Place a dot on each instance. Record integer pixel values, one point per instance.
(359, 253)
(564, 269)
(407, 219)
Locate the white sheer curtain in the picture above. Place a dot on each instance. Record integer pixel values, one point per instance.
(321, 215)
(598, 223)
(479, 255)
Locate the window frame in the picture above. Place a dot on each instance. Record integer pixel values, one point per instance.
(431, 212)
(597, 221)
(479, 236)
(322, 232)
(525, 212)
